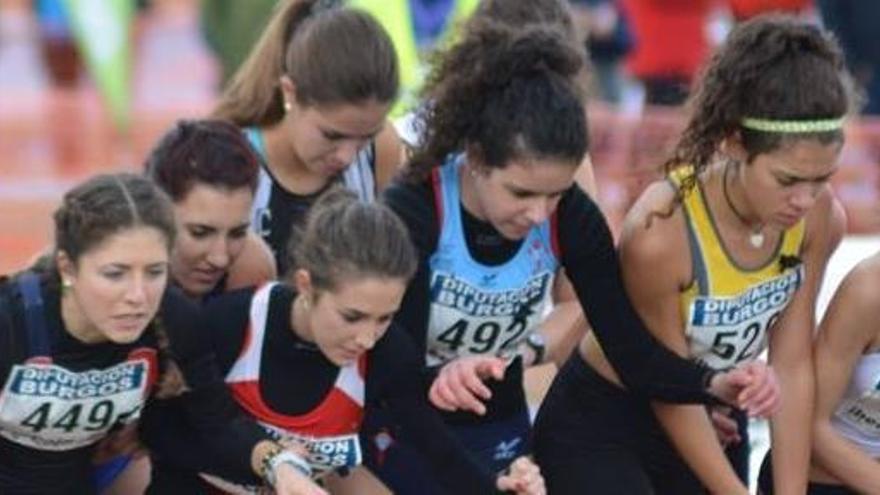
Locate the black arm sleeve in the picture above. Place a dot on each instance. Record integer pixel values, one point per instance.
(393, 377)
(210, 409)
(414, 204)
(8, 342)
(645, 365)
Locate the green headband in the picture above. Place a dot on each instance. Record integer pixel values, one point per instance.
(793, 126)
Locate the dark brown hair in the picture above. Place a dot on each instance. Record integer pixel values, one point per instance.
(211, 152)
(106, 204)
(771, 67)
(344, 237)
(103, 206)
(506, 93)
(333, 55)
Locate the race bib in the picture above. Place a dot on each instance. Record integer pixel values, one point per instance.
(862, 413)
(48, 407)
(467, 320)
(724, 331)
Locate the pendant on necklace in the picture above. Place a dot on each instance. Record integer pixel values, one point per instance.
(756, 239)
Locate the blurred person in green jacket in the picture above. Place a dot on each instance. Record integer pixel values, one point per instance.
(415, 27)
(231, 28)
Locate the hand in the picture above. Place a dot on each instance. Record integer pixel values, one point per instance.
(725, 427)
(752, 386)
(459, 385)
(523, 477)
(121, 442)
(290, 481)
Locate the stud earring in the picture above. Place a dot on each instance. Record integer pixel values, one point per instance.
(303, 301)
(287, 106)
(66, 285)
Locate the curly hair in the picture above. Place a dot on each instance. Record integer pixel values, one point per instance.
(524, 12)
(771, 67)
(107, 204)
(505, 93)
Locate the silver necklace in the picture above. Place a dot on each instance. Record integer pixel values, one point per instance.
(756, 237)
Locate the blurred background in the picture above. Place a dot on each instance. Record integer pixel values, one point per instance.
(57, 127)
(89, 85)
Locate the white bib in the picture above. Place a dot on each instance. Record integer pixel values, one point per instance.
(47, 407)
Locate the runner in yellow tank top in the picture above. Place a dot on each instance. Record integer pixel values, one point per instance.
(725, 257)
(736, 267)
(728, 308)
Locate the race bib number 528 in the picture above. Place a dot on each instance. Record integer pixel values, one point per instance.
(724, 331)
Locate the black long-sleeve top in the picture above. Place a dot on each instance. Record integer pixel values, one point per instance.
(588, 256)
(25, 469)
(295, 377)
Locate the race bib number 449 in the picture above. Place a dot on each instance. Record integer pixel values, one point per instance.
(724, 331)
(47, 407)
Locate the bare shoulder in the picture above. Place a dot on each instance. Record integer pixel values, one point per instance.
(254, 266)
(825, 223)
(655, 221)
(654, 237)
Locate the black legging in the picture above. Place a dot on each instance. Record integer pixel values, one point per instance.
(593, 437)
(765, 482)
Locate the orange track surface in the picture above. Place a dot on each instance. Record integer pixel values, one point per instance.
(52, 138)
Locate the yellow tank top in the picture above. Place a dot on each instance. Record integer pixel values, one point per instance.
(728, 310)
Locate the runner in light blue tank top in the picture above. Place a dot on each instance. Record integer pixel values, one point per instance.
(477, 308)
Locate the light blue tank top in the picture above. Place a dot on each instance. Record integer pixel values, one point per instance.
(477, 308)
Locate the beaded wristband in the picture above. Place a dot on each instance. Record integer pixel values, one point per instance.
(278, 456)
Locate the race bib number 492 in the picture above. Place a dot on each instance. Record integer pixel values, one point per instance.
(48, 407)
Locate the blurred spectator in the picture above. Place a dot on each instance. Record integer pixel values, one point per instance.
(57, 46)
(415, 27)
(609, 39)
(856, 23)
(746, 9)
(670, 45)
(231, 27)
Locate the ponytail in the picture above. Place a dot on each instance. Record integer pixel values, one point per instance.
(333, 55)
